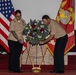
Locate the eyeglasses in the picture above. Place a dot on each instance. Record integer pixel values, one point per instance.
(18, 16)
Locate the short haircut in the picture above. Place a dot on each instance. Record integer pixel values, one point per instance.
(45, 17)
(17, 11)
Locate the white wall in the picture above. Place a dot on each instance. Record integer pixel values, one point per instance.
(35, 9)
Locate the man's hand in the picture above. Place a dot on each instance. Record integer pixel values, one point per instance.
(20, 41)
(41, 42)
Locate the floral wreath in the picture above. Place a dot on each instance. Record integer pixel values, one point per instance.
(35, 31)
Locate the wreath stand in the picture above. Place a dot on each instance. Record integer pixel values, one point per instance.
(36, 69)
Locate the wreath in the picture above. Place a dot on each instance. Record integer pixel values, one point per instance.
(35, 31)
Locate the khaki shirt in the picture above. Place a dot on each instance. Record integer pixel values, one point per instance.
(18, 28)
(56, 29)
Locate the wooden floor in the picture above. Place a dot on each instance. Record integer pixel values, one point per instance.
(71, 64)
(67, 72)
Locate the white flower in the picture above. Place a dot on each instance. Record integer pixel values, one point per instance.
(35, 23)
(42, 23)
(28, 31)
(38, 27)
(26, 27)
(30, 26)
(33, 38)
(42, 26)
(45, 30)
(39, 36)
(42, 32)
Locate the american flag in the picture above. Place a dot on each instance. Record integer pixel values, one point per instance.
(6, 15)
